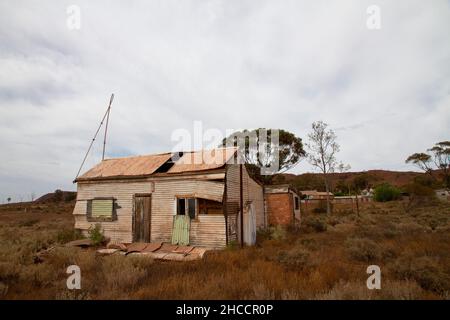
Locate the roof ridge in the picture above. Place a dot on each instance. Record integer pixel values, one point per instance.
(164, 153)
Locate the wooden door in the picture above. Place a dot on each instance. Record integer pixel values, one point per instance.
(180, 231)
(142, 218)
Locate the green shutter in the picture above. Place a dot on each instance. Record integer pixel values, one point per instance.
(102, 208)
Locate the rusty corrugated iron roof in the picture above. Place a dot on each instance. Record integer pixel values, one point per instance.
(138, 166)
(203, 160)
(129, 166)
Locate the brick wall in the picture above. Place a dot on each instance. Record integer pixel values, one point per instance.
(279, 208)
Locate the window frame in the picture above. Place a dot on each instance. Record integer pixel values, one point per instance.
(296, 203)
(186, 205)
(91, 218)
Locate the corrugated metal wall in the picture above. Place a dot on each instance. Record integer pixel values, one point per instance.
(252, 191)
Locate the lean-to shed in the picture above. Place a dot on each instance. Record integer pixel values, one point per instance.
(185, 198)
(282, 205)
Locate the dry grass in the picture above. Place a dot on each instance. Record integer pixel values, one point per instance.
(326, 259)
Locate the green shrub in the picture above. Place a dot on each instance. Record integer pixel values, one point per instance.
(96, 234)
(386, 192)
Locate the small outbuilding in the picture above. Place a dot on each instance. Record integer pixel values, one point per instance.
(282, 205)
(186, 198)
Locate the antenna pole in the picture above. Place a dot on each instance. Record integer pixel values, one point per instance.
(106, 127)
(95, 136)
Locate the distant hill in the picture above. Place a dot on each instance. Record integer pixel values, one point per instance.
(374, 177)
(57, 196)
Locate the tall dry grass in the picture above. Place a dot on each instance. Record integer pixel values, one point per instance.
(325, 259)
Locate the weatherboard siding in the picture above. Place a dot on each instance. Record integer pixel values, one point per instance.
(206, 230)
(121, 229)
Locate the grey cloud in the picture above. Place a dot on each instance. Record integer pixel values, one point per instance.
(230, 64)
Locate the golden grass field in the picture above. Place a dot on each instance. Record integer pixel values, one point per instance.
(325, 259)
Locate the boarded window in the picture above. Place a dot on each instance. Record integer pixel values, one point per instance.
(101, 210)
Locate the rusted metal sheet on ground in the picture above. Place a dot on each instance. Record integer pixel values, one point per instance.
(118, 246)
(136, 247)
(168, 247)
(183, 249)
(152, 247)
(80, 243)
(180, 231)
(107, 251)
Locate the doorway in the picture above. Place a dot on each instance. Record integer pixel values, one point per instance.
(142, 218)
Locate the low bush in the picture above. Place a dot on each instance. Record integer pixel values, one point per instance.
(67, 235)
(362, 249)
(28, 223)
(426, 271)
(296, 258)
(322, 207)
(96, 234)
(386, 192)
(278, 232)
(121, 273)
(317, 224)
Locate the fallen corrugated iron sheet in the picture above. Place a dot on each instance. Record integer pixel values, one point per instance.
(80, 243)
(107, 251)
(136, 247)
(119, 246)
(152, 247)
(159, 251)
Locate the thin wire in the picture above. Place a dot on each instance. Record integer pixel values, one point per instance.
(106, 127)
(95, 136)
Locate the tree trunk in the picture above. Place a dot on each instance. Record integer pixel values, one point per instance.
(327, 189)
(357, 204)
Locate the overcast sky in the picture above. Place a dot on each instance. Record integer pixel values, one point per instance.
(230, 64)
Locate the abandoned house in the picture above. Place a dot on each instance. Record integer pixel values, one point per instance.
(180, 200)
(316, 195)
(282, 205)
